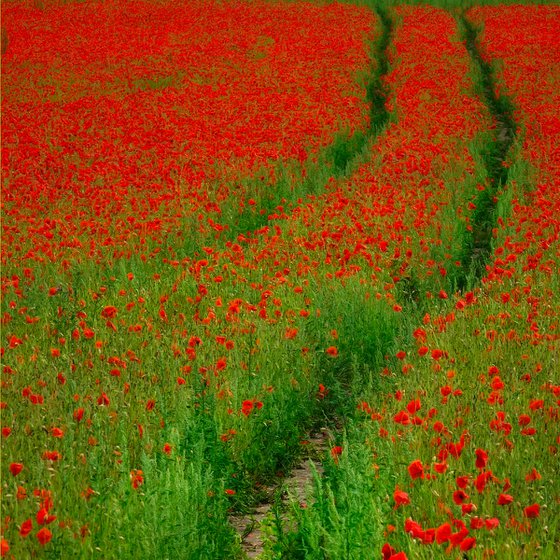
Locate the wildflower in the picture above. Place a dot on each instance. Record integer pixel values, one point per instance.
(414, 406)
(136, 478)
(402, 417)
(43, 517)
(44, 536)
(246, 407)
(532, 512)
(536, 404)
(504, 499)
(336, 452)
(416, 469)
(437, 354)
(467, 544)
(414, 529)
(460, 496)
(443, 532)
(26, 528)
(481, 458)
(109, 312)
(401, 498)
(532, 475)
(16, 468)
(290, 333)
(481, 481)
(52, 456)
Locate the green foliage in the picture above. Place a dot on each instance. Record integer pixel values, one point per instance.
(344, 516)
(180, 512)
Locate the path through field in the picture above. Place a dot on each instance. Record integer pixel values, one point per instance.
(297, 486)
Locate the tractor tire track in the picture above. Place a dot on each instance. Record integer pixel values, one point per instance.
(478, 245)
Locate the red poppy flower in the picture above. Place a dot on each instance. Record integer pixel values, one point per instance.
(43, 517)
(16, 468)
(402, 417)
(44, 536)
(532, 475)
(336, 451)
(536, 404)
(505, 499)
(136, 478)
(443, 532)
(401, 498)
(109, 312)
(332, 351)
(460, 496)
(462, 481)
(467, 544)
(437, 354)
(481, 458)
(416, 469)
(476, 523)
(532, 512)
(414, 406)
(246, 407)
(414, 529)
(26, 528)
(387, 551)
(481, 481)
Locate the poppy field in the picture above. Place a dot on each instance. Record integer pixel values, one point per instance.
(229, 224)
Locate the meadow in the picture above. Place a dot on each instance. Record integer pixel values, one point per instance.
(230, 224)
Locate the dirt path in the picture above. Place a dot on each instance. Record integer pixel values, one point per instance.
(249, 525)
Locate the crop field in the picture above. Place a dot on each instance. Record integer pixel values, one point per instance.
(230, 225)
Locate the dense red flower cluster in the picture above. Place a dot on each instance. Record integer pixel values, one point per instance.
(118, 117)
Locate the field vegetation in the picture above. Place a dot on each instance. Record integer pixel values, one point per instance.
(229, 224)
